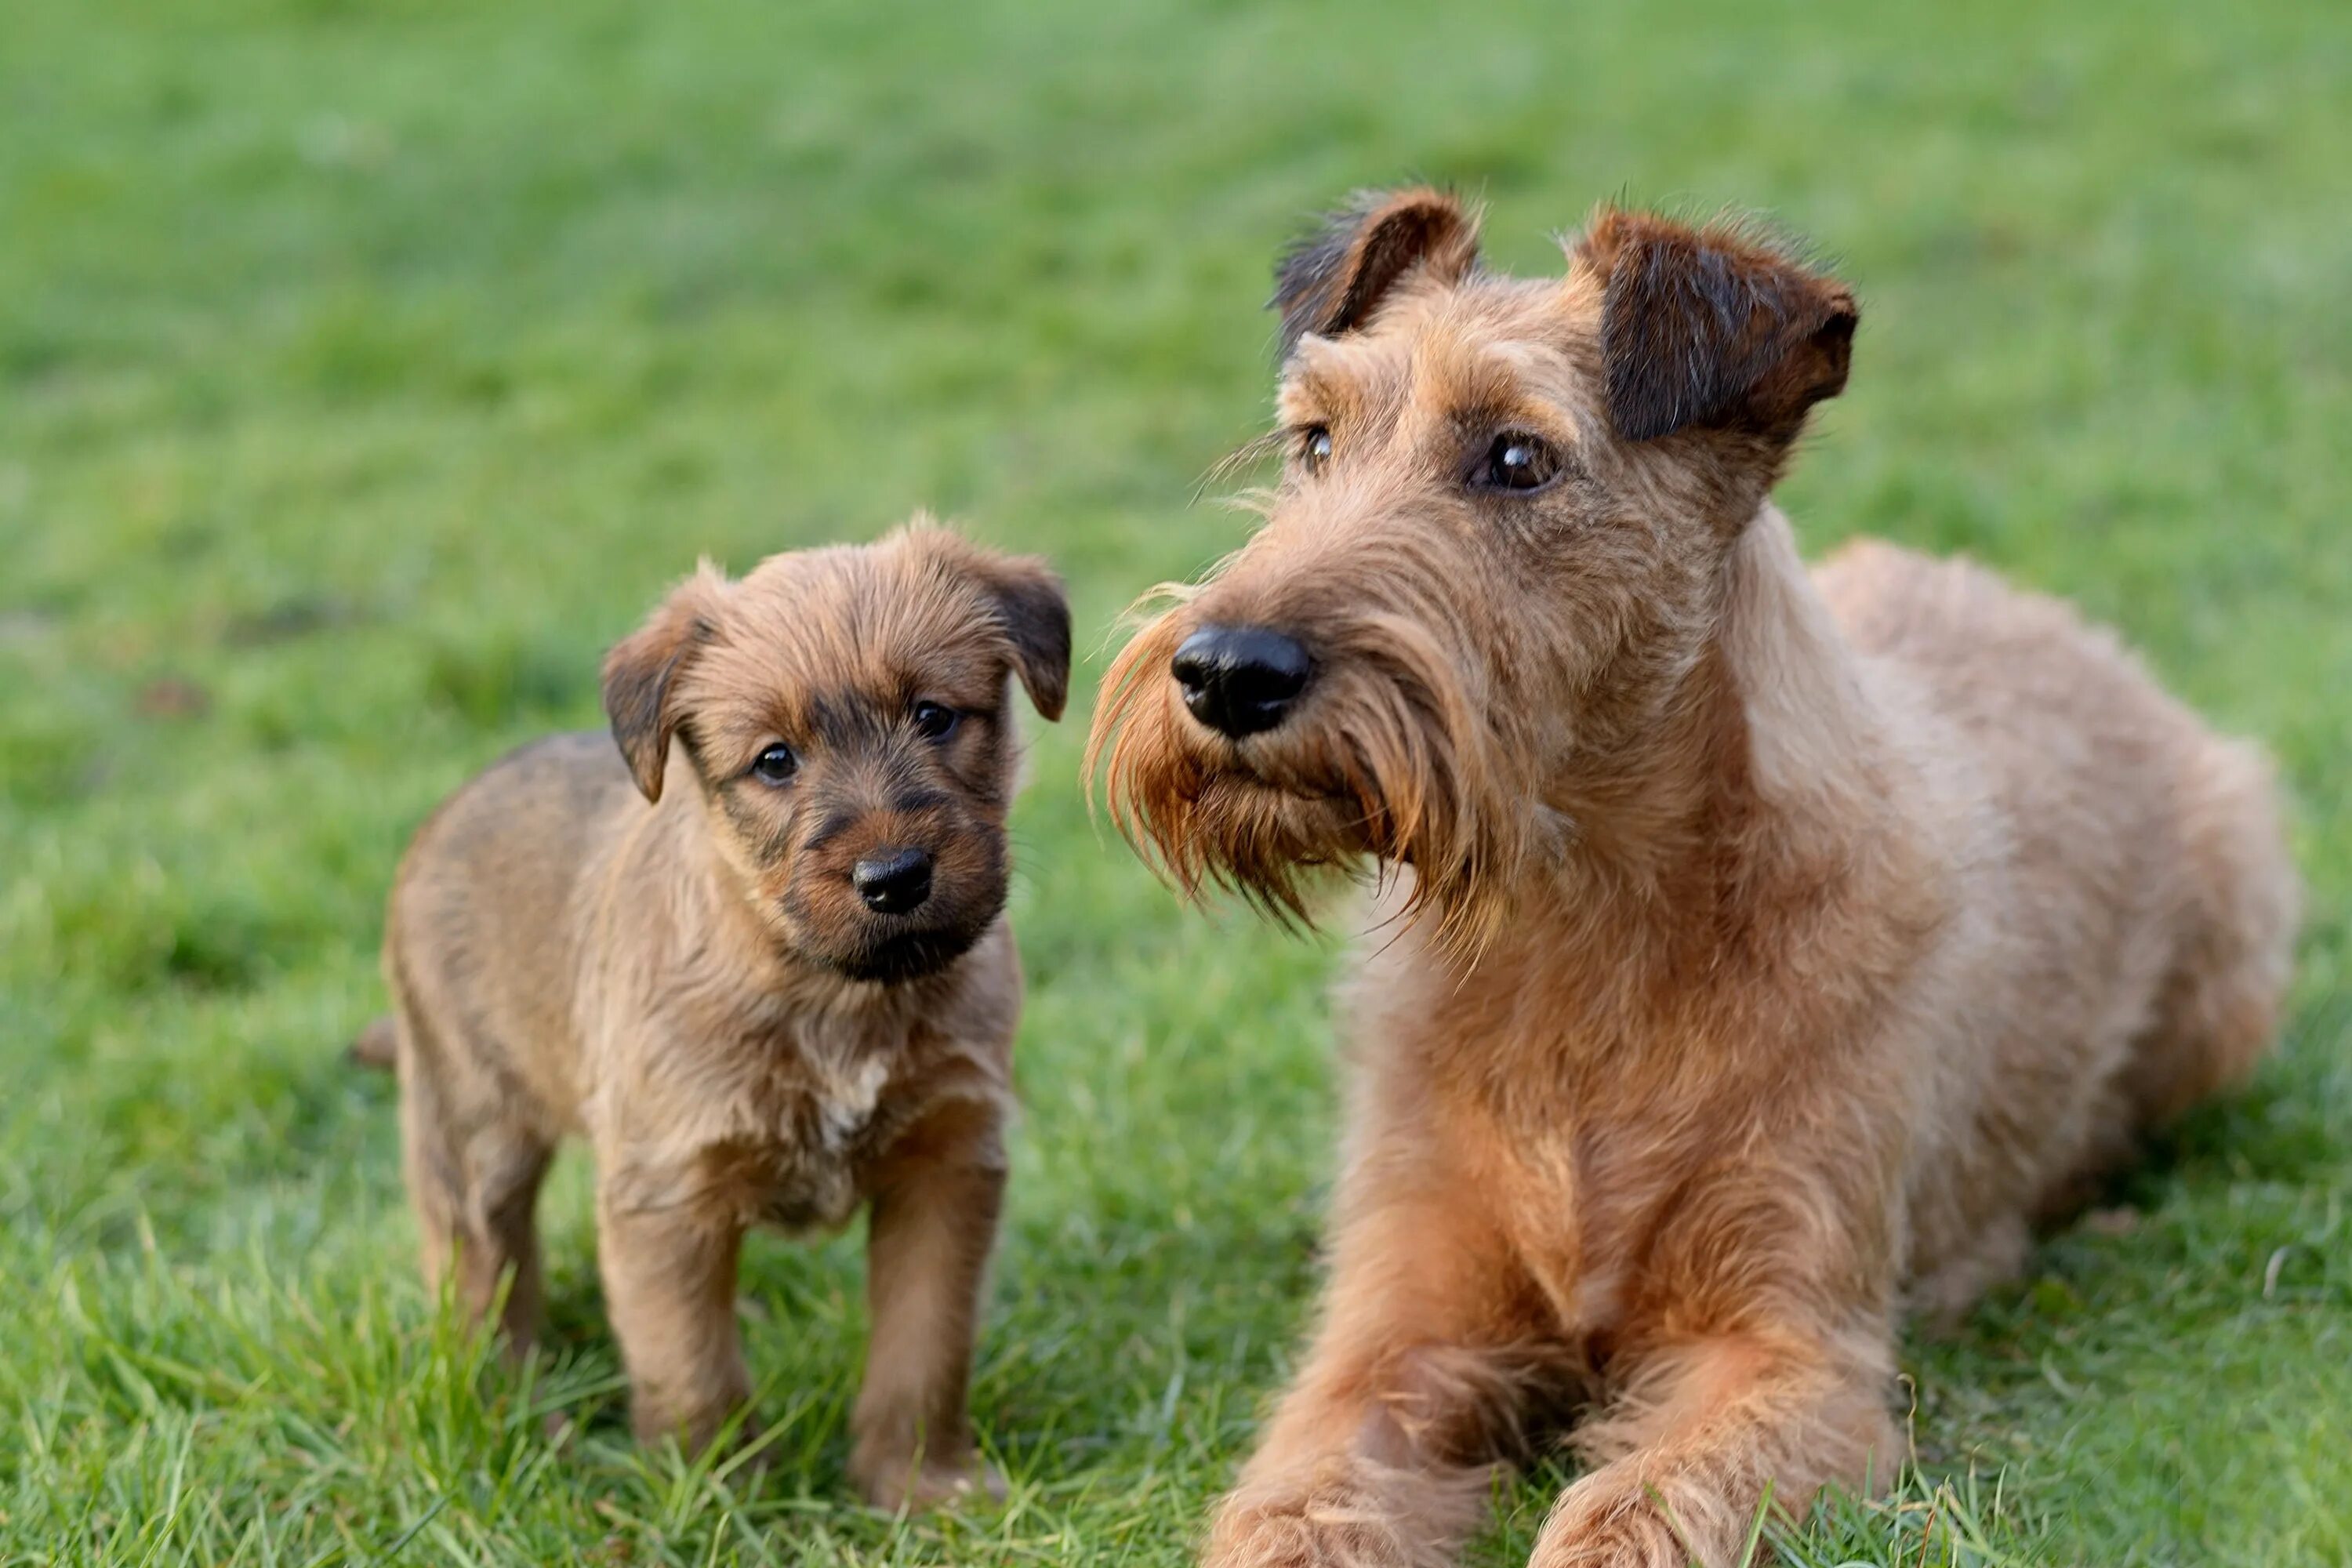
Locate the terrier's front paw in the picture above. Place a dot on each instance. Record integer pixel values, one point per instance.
(1325, 1527)
(1618, 1544)
(1608, 1525)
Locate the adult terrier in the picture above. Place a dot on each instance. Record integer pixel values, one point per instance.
(757, 958)
(1759, 952)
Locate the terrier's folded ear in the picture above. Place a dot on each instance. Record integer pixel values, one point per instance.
(1331, 281)
(1712, 327)
(641, 674)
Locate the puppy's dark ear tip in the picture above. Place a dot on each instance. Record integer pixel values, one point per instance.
(1041, 641)
(634, 677)
(375, 1047)
(1054, 705)
(640, 696)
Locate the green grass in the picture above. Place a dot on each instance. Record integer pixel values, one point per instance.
(366, 368)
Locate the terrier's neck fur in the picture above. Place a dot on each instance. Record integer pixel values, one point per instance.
(1767, 767)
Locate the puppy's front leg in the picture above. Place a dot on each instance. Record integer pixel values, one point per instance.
(935, 1198)
(670, 1287)
(1381, 1451)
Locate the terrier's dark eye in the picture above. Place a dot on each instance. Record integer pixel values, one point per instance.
(1517, 461)
(936, 721)
(776, 765)
(1315, 447)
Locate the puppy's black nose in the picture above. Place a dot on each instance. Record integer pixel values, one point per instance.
(893, 881)
(1240, 680)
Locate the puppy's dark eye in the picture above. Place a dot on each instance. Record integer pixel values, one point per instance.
(936, 721)
(1315, 447)
(776, 765)
(1517, 461)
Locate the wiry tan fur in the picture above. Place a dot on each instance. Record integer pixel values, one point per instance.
(655, 949)
(1757, 952)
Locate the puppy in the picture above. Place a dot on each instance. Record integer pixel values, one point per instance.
(757, 958)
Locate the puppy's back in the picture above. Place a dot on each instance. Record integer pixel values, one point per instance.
(482, 942)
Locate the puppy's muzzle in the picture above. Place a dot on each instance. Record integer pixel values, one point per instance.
(1241, 680)
(893, 880)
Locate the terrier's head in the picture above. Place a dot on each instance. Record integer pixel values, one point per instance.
(1495, 551)
(845, 716)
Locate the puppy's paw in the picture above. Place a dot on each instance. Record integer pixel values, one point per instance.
(1331, 1526)
(697, 1420)
(911, 1486)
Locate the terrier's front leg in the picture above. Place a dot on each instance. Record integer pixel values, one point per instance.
(1381, 1451)
(670, 1287)
(935, 1205)
(1713, 1429)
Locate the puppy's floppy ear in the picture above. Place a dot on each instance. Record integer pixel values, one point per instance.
(1329, 281)
(1031, 610)
(641, 674)
(1036, 612)
(1713, 326)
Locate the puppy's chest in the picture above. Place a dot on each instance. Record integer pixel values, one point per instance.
(786, 1142)
(810, 1130)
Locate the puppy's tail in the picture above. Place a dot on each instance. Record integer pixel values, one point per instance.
(377, 1046)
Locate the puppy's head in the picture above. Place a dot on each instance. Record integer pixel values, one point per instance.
(845, 715)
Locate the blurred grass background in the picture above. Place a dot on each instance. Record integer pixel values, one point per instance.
(366, 368)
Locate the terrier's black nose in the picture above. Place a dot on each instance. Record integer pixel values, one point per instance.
(893, 881)
(1240, 680)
